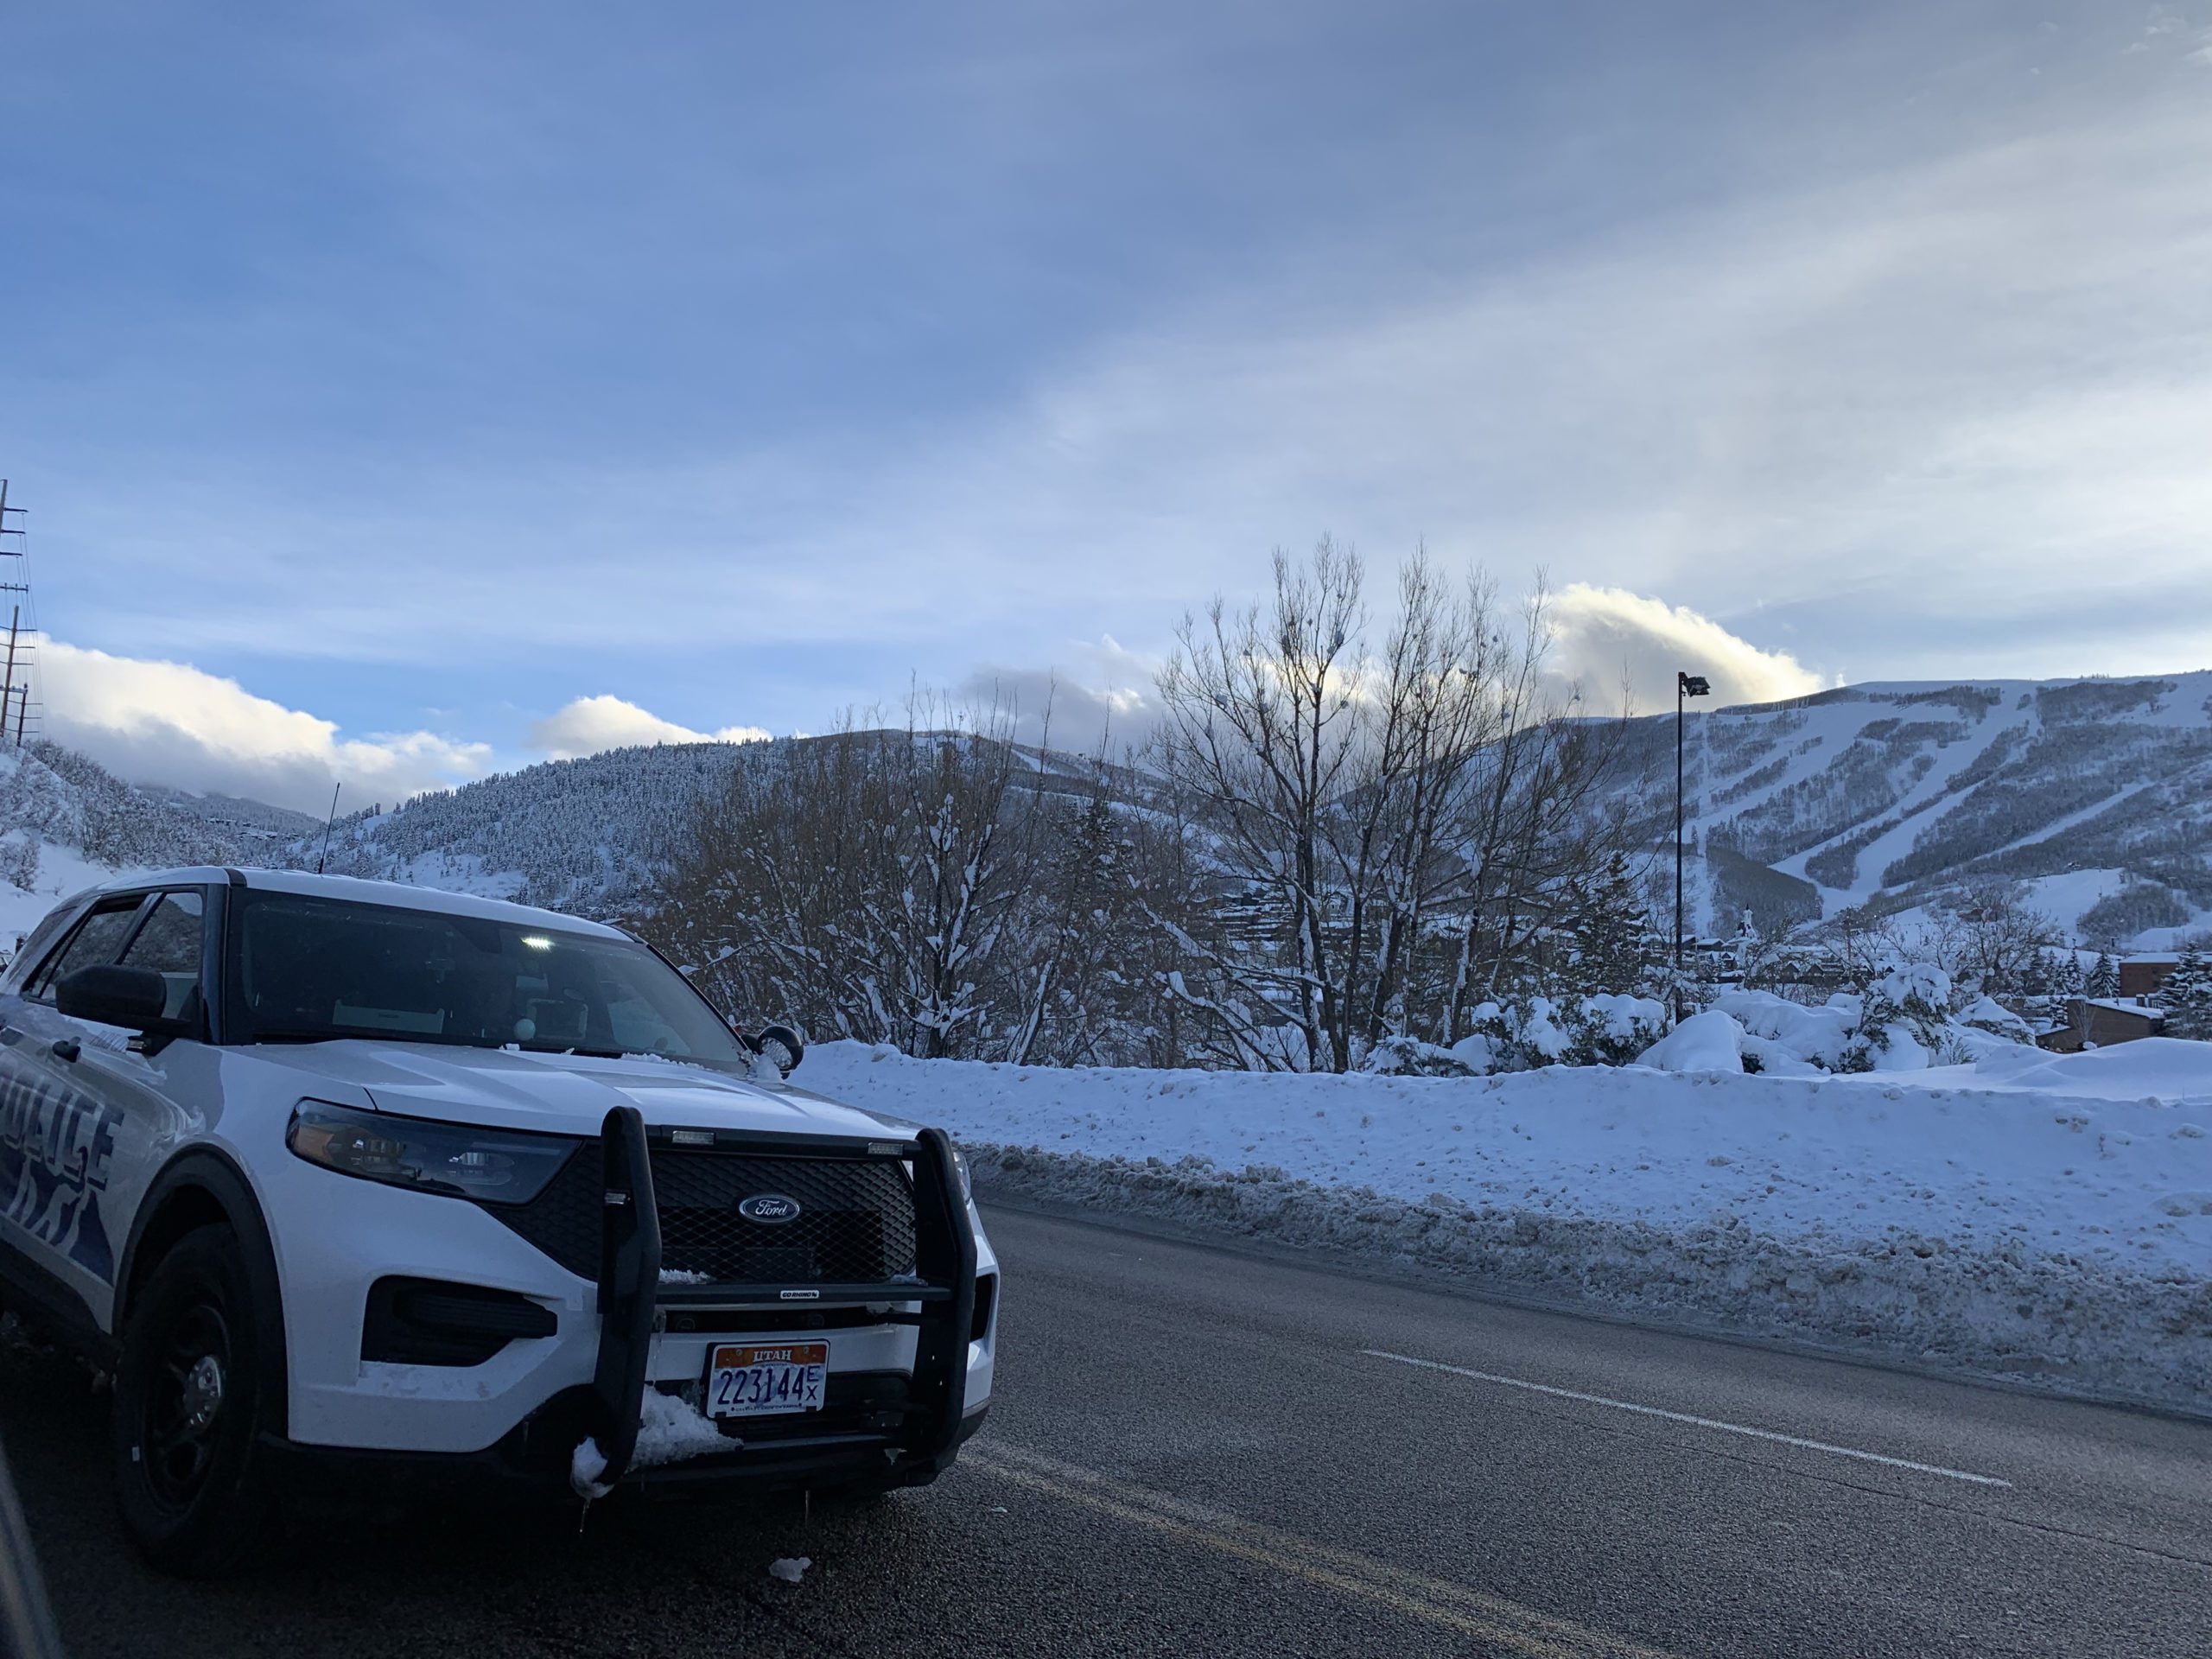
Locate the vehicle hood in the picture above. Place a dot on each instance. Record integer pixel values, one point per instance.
(566, 1094)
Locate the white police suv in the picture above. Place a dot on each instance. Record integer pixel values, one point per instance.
(353, 1185)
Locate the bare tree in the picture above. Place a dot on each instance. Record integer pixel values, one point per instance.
(1334, 843)
(1261, 732)
(1998, 937)
(872, 883)
(1365, 807)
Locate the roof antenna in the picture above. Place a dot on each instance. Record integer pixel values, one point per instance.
(327, 822)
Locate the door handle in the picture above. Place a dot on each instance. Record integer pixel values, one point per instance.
(66, 1048)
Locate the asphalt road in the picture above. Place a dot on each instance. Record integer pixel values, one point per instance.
(1198, 1453)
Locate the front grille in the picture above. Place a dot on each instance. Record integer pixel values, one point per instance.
(564, 1220)
(854, 1225)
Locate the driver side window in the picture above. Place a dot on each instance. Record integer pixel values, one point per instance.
(169, 944)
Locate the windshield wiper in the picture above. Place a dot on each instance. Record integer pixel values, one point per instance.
(571, 1048)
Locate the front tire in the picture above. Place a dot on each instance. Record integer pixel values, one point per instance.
(188, 1399)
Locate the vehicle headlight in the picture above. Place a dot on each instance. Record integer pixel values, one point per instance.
(456, 1159)
(960, 1168)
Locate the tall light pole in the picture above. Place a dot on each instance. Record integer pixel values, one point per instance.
(1685, 685)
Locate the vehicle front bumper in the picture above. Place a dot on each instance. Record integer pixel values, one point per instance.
(911, 1362)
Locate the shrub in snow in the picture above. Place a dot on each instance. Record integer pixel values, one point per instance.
(1516, 1038)
(1544, 1039)
(1711, 1041)
(19, 860)
(1987, 1049)
(1614, 1030)
(1603, 1030)
(1492, 1042)
(1477, 1054)
(1988, 1015)
(1275, 1048)
(1904, 1021)
(1408, 1057)
(1787, 1037)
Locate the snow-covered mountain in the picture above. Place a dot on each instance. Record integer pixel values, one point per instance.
(2095, 794)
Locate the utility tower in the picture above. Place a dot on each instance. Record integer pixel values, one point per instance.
(17, 722)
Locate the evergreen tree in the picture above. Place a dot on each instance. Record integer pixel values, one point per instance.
(1608, 928)
(2104, 978)
(2187, 998)
(2037, 987)
(2065, 983)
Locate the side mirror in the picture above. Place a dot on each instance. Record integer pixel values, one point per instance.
(781, 1047)
(134, 998)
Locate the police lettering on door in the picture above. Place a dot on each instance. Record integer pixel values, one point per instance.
(55, 1143)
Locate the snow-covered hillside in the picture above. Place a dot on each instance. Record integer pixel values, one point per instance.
(587, 836)
(2026, 1214)
(2097, 794)
(66, 823)
(590, 836)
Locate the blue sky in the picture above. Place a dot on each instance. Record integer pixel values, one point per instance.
(395, 376)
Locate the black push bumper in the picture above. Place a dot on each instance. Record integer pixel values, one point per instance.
(917, 1435)
(876, 1430)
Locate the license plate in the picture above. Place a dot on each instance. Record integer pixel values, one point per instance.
(766, 1379)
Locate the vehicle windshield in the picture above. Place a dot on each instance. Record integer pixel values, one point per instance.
(313, 969)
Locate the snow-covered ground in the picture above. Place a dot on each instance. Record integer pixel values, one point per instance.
(2028, 1214)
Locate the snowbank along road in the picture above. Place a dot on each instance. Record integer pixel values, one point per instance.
(1205, 1453)
(2048, 1219)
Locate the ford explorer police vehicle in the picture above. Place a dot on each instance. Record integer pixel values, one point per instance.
(350, 1185)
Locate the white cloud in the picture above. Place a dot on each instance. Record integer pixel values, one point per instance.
(1606, 637)
(589, 725)
(1100, 695)
(164, 722)
(1603, 640)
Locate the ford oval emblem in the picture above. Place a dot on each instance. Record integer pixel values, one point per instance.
(770, 1209)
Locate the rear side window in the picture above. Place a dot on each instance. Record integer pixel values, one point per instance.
(96, 941)
(169, 944)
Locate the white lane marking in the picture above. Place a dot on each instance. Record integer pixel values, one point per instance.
(1685, 1417)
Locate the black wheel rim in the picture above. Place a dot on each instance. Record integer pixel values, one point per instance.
(185, 1405)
